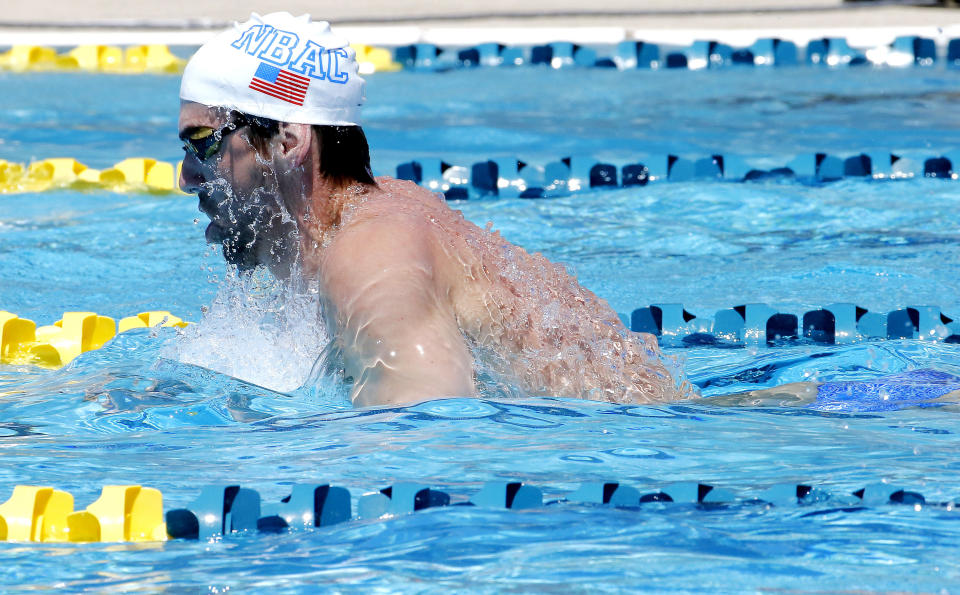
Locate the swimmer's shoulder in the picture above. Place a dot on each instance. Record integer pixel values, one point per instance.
(400, 207)
(380, 235)
(405, 188)
(373, 253)
(395, 224)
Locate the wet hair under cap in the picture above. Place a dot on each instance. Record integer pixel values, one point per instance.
(344, 152)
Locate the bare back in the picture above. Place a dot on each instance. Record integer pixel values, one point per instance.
(524, 320)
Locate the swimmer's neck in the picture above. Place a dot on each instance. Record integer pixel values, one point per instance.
(324, 204)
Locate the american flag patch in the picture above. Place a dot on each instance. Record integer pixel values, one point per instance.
(279, 83)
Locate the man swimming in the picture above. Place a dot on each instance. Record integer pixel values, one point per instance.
(413, 294)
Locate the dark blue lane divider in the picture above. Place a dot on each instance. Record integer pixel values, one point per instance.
(632, 54)
(508, 177)
(761, 324)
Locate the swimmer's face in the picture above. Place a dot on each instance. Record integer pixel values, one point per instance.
(237, 189)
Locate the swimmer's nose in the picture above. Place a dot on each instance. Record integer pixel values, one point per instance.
(190, 176)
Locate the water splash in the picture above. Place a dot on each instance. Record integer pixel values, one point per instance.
(259, 330)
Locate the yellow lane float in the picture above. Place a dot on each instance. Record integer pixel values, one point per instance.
(139, 59)
(137, 174)
(55, 345)
(35, 514)
(121, 513)
(373, 59)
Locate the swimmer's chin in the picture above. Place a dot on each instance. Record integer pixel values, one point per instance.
(239, 257)
(214, 234)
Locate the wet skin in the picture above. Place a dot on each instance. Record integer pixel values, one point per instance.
(237, 193)
(418, 298)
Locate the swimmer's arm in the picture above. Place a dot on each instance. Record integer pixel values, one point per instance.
(794, 393)
(400, 338)
(797, 393)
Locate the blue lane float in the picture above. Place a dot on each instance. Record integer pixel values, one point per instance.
(219, 510)
(401, 498)
(953, 53)
(758, 324)
(308, 505)
(510, 177)
(513, 495)
(706, 53)
(611, 493)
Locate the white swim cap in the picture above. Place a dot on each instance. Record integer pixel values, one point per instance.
(281, 67)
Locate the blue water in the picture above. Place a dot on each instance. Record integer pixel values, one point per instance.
(138, 411)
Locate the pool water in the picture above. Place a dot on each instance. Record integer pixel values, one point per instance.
(223, 401)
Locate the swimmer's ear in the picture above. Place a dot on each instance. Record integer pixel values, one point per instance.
(293, 143)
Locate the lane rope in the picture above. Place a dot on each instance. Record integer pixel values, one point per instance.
(510, 177)
(759, 324)
(142, 59)
(905, 50)
(756, 324)
(133, 513)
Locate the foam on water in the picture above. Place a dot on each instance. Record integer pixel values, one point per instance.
(258, 329)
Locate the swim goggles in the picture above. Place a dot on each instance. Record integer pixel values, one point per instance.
(205, 142)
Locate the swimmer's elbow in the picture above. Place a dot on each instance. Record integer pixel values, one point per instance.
(417, 373)
(382, 386)
(397, 397)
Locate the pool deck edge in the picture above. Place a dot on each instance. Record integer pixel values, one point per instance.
(677, 22)
(465, 36)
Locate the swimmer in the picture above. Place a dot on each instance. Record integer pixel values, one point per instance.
(417, 298)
